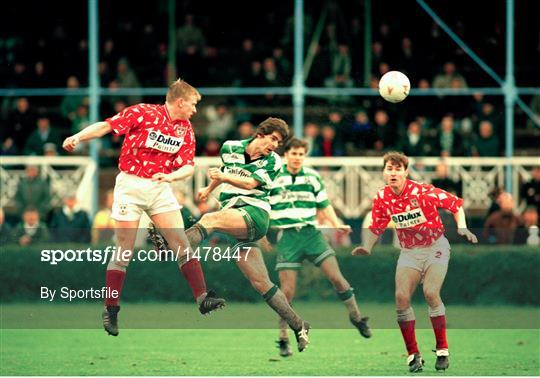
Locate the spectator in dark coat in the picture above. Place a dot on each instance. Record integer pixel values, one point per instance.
(500, 227)
(42, 135)
(414, 143)
(21, 122)
(70, 223)
(385, 132)
(530, 191)
(31, 230)
(33, 191)
(448, 141)
(443, 181)
(486, 143)
(327, 144)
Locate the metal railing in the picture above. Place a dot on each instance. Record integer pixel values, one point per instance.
(351, 182)
(64, 174)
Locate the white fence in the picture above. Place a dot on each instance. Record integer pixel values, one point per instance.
(65, 174)
(351, 181)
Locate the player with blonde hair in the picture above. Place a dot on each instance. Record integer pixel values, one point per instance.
(158, 148)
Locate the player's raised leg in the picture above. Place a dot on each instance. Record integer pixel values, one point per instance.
(252, 265)
(228, 221)
(407, 279)
(171, 226)
(287, 284)
(251, 223)
(126, 232)
(345, 292)
(433, 281)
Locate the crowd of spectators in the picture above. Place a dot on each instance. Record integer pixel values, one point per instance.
(34, 220)
(212, 53)
(510, 223)
(235, 51)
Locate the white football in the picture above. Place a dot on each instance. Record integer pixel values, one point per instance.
(394, 86)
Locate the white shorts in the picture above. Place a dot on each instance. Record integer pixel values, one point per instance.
(420, 259)
(133, 195)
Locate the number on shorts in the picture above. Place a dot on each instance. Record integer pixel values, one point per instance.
(438, 254)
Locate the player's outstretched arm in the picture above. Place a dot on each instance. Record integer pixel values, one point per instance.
(95, 130)
(462, 229)
(240, 182)
(203, 193)
(180, 174)
(328, 213)
(369, 243)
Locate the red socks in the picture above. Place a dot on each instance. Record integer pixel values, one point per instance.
(439, 328)
(114, 279)
(409, 336)
(193, 274)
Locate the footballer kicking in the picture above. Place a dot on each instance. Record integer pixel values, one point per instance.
(158, 148)
(249, 168)
(425, 251)
(298, 197)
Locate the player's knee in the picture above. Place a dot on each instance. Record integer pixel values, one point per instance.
(176, 242)
(125, 239)
(431, 294)
(403, 298)
(208, 220)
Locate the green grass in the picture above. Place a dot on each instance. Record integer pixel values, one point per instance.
(221, 351)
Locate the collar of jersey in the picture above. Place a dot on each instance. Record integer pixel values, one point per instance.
(177, 122)
(285, 170)
(245, 143)
(407, 183)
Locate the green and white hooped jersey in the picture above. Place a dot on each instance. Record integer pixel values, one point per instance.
(295, 199)
(236, 162)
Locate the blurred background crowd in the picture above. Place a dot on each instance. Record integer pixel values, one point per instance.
(219, 47)
(256, 51)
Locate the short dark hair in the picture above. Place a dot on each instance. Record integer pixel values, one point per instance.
(296, 143)
(271, 124)
(396, 157)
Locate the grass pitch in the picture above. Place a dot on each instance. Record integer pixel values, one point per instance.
(241, 351)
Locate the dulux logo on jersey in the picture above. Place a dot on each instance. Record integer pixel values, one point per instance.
(163, 143)
(409, 218)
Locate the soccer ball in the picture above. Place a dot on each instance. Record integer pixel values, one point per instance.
(394, 86)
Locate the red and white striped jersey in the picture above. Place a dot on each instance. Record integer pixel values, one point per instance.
(414, 212)
(153, 142)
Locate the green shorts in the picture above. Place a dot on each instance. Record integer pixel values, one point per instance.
(295, 245)
(257, 221)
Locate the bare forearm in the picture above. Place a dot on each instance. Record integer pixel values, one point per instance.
(95, 130)
(461, 222)
(241, 182)
(182, 173)
(460, 219)
(329, 214)
(213, 185)
(370, 239)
